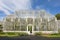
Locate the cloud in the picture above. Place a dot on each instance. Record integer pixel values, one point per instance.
(13, 5)
(22, 4)
(6, 12)
(3, 5)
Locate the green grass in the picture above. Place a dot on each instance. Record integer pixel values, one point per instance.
(13, 34)
(54, 35)
(8, 34)
(47, 35)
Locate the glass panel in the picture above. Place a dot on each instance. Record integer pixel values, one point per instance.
(30, 21)
(37, 21)
(23, 28)
(36, 28)
(23, 21)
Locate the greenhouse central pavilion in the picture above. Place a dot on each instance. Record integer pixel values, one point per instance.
(30, 21)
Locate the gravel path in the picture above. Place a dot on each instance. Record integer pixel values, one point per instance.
(28, 38)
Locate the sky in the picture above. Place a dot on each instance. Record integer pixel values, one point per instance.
(8, 7)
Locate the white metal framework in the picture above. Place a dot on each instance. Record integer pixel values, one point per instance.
(38, 20)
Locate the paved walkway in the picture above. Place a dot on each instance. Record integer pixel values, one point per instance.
(28, 38)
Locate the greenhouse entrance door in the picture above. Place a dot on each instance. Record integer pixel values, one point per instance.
(30, 28)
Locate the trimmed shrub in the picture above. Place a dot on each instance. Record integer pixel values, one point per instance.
(2, 33)
(10, 33)
(55, 34)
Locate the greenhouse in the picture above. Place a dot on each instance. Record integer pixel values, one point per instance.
(30, 21)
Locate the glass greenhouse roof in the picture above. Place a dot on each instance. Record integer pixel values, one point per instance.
(33, 14)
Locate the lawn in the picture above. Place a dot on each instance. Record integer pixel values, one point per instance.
(12, 34)
(48, 35)
(51, 35)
